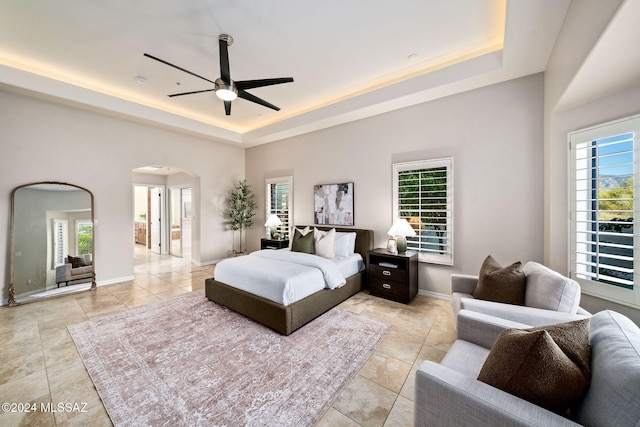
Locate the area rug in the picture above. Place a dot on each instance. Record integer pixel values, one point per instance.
(186, 361)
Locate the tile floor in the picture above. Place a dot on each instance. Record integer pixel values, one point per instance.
(39, 363)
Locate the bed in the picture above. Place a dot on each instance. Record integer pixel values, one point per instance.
(287, 318)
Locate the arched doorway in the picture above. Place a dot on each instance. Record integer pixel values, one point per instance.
(164, 202)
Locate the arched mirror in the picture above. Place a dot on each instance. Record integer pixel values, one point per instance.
(52, 241)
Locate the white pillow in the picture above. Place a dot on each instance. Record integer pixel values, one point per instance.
(325, 243)
(345, 244)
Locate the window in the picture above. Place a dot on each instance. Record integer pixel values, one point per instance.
(60, 241)
(84, 237)
(423, 195)
(603, 258)
(279, 201)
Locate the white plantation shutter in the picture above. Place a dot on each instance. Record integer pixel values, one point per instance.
(279, 193)
(423, 195)
(603, 210)
(60, 241)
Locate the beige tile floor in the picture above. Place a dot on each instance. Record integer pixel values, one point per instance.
(39, 363)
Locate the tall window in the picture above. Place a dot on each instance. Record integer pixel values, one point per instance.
(603, 210)
(84, 237)
(279, 201)
(423, 195)
(60, 241)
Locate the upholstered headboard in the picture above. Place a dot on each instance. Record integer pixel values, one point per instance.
(364, 238)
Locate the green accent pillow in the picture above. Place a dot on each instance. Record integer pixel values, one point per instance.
(501, 284)
(547, 365)
(303, 243)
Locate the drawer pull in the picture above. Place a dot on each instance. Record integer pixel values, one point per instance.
(386, 286)
(386, 273)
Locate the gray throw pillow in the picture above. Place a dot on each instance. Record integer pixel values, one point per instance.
(547, 365)
(501, 284)
(303, 243)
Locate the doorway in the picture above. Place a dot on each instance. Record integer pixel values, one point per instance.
(148, 216)
(180, 220)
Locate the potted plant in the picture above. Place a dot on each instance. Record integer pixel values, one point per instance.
(240, 209)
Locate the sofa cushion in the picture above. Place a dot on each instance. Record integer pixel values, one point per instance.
(614, 394)
(465, 357)
(81, 270)
(550, 290)
(501, 284)
(548, 366)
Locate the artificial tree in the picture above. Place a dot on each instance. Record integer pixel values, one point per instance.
(240, 209)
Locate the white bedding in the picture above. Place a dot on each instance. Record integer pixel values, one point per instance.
(283, 276)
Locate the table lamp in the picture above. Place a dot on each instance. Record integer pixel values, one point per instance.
(401, 229)
(272, 222)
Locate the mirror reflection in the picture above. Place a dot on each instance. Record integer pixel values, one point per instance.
(52, 241)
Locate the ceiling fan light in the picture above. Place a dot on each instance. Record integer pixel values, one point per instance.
(226, 92)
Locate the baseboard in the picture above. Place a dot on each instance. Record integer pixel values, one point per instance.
(5, 301)
(116, 280)
(432, 294)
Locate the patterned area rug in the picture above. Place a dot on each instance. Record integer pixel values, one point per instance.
(186, 361)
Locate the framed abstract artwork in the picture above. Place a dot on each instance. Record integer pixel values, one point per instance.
(333, 204)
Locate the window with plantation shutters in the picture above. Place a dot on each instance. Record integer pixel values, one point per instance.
(279, 194)
(60, 241)
(423, 195)
(603, 210)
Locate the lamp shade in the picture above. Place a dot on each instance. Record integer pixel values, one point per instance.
(273, 221)
(401, 228)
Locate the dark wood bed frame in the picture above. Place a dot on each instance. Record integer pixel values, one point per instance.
(286, 319)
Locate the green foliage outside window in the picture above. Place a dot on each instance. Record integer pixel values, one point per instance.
(423, 202)
(85, 238)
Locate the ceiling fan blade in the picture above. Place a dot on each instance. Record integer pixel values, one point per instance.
(178, 68)
(250, 84)
(190, 93)
(246, 95)
(224, 61)
(227, 107)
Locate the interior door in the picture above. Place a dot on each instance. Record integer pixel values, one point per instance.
(155, 222)
(175, 219)
(187, 220)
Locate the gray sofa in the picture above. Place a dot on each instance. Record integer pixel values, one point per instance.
(549, 298)
(448, 394)
(67, 273)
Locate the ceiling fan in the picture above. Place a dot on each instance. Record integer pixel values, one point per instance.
(225, 88)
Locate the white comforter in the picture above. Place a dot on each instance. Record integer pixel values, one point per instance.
(281, 276)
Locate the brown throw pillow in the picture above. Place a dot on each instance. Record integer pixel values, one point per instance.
(548, 365)
(75, 261)
(303, 243)
(500, 284)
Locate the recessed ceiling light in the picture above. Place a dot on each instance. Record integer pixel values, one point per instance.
(141, 79)
(412, 56)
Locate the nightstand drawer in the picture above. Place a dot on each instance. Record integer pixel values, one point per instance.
(387, 289)
(388, 274)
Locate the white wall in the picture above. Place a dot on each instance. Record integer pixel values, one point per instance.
(495, 135)
(44, 141)
(584, 24)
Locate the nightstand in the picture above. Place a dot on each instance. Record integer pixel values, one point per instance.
(273, 244)
(392, 276)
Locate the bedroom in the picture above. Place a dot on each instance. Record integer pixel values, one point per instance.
(471, 126)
